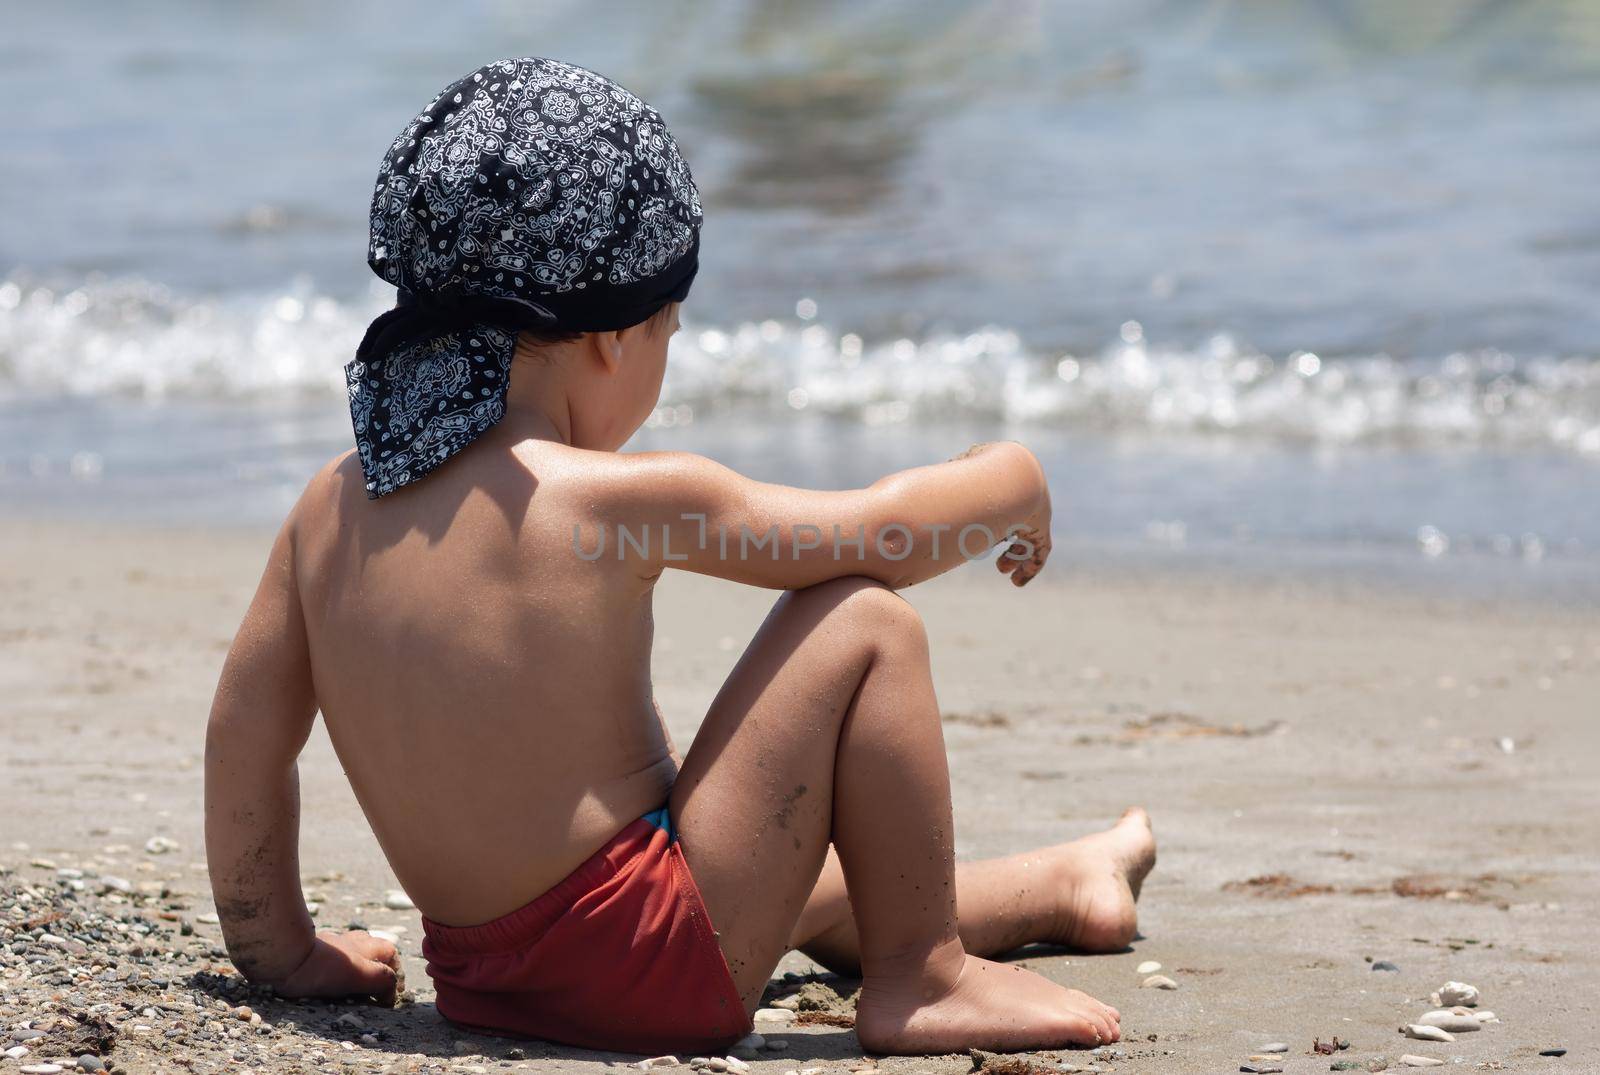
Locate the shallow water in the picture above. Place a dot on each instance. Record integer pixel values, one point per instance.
(1306, 280)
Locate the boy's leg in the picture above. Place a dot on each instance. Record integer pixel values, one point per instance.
(828, 730)
(1079, 894)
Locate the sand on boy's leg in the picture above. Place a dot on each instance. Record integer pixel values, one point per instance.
(828, 729)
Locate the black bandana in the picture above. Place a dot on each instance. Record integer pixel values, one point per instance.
(529, 194)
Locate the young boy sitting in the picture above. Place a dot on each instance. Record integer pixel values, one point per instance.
(479, 645)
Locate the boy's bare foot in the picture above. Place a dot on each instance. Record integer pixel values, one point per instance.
(983, 1005)
(1098, 878)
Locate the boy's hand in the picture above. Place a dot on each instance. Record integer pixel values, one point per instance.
(1017, 560)
(347, 964)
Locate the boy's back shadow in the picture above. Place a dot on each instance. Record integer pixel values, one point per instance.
(509, 486)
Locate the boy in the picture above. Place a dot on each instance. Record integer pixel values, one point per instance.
(484, 635)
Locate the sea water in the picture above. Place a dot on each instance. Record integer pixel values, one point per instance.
(1307, 283)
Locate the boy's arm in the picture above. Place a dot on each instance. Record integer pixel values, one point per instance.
(259, 722)
(903, 529)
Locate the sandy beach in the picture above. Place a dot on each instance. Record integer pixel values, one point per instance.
(1337, 777)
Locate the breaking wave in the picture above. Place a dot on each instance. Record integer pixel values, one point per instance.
(134, 338)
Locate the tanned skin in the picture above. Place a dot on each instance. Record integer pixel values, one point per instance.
(485, 681)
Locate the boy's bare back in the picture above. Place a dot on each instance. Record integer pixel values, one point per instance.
(487, 691)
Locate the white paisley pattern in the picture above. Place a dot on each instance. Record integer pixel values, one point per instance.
(531, 167)
(528, 180)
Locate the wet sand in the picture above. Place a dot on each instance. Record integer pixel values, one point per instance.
(1337, 776)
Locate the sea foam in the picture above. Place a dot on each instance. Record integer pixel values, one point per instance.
(108, 337)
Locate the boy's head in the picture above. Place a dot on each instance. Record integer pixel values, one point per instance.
(531, 197)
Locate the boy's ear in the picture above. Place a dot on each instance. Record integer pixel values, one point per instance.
(608, 348)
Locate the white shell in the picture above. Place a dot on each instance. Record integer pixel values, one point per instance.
(1426, 1033)
(1451, 1021)
(1453, 993)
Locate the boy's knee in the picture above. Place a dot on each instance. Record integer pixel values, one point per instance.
(870, 603)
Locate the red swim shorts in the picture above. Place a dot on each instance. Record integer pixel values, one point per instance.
(619, 956)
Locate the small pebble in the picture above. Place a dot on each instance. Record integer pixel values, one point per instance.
(1158, 981)
(1345, 1065)
(777, 1046)
(1426, 1033)
(40, 1069)
(1385, 965)
(711, 1063)
(1412, 1060)
(774, 1015)
(17, 1052)
(742, 1052)
(207, 919)
(160, 845)
(90, 1063)
(657, 1062)
(396, 900)
(26, 1034)
(1552, 1052)
(789, 1003)
(1274, 1047)
(736, 1064)
(1485, 1017)
(1261, 1069)
(1149, 966)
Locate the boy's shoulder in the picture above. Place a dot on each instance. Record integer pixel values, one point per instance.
(337, 481)
(609, 483)
(646, 484)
